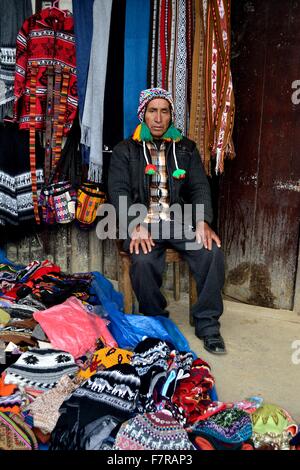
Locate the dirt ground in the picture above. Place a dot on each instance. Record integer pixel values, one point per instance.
(263, 353)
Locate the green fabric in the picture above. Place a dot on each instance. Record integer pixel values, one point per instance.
(172, 133)
(4, 317)
(178, 174)
(145, 133)
(270, 418)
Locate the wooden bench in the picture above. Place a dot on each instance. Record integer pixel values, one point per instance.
(172, 256)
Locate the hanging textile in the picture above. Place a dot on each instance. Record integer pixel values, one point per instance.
(180, 69)
(16, 205)
(171, 59)
(83, 27)
(189, 44)
(46, 38)
(160, 42)
(153, 43)
(219, 91)
(113, 125)
(92, 119)
(137, 28)
(46, 41)
(197, 130)
(13, 14)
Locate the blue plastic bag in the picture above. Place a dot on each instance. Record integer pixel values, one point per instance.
(129, 329)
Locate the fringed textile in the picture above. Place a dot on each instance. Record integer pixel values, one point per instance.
(13, 14)
(92, 119)
(219, 91)
(197, 131)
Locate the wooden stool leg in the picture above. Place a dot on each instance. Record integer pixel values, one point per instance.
(176, 281)
(128, 298)
(192, 296)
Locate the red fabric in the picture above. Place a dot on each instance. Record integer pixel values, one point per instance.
(247, 446)
(192, 393)
(46, 267)
(204, 444)
(71, 328)
(47, 39)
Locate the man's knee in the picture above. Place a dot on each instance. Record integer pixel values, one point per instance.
(216, 251)
(142, 260)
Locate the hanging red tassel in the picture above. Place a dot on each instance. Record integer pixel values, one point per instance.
(150, 169)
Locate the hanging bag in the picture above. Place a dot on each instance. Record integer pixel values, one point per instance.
(89, 197)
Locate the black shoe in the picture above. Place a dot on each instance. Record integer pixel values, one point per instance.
(214, 344)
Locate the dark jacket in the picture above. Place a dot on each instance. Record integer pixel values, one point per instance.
(126, 176)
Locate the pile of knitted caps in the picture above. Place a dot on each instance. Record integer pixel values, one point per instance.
(68, 383)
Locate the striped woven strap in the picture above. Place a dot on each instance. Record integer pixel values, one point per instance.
(32, 101)
(60, 103)
(49, 116)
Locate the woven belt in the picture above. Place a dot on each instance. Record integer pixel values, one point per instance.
(32, 101)
(49, 116)
(60, 102)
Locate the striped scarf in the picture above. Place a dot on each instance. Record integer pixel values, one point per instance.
(197, 114)
(219, 91)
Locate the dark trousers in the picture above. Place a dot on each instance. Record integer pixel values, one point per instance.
(206, 266)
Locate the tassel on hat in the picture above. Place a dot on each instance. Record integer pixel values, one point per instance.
(143, 134)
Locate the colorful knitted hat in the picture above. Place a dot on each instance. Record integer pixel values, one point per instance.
(150, 360)
(272, 424)
(44, 408)
(15, 434)
(151, 94)
(231, 425)
(4, 317)
(111, 392)
(40, 368)
(152, 431)
(105, 358)
(192, 393)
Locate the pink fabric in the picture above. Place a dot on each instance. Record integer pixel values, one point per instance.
(71, 328)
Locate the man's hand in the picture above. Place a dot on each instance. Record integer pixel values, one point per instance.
(141, 237)
(205, 234)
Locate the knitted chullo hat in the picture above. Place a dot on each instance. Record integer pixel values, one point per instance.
(4, 317)
(142, 132)
(105, 358)
(113, 392)
(12, 403)
(272, 424)
(151, 94)
(150, 360)
(231, 425)
(15, 434)
(152, 431)
(192, 393)
(44, 408)
(40, 369)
